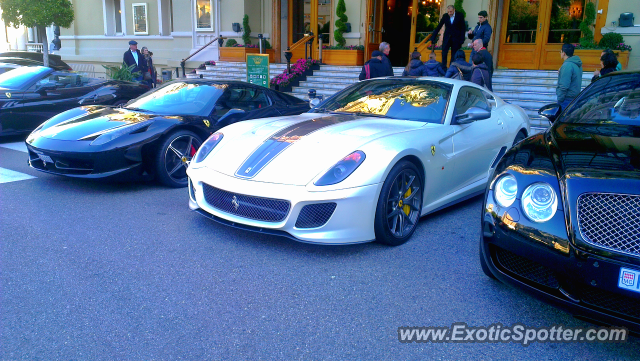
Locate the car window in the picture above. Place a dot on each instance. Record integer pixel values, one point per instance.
(21, 77)
(58, 80)
(470, 97)
(245, 98)
(180, 98)
(405, 99)
(610, 100)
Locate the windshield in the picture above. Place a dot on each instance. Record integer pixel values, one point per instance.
(180, 98)
(610, 100)
(20, 77)
(407, 99)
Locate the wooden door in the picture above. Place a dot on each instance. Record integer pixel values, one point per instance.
(525, 25)
(373, 35)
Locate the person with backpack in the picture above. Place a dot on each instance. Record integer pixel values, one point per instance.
(459, 68)
(373, 68)
(480, 73)
(434, 68)
(415, 67)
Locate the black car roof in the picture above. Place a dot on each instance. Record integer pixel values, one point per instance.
(237, 82)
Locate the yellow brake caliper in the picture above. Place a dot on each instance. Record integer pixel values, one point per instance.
(406, 208)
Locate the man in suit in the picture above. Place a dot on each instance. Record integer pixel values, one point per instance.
(134, 57)
(454, 31)
(481, 31)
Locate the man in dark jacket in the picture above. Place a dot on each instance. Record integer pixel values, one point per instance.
(385, 48)
(454, 30)
(375, 67)
(480, 73)
(459, 67)
(486, 55)
(134, 57)
(433, 67)
(569, 76)
(482, 31)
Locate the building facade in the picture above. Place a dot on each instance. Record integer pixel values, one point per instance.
(527, 33)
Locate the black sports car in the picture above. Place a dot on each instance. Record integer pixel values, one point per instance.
(31, 58)
(31, 95)
(561, 215)
(156, 134)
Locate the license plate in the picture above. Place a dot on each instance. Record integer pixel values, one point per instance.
(629, 279)
(45, 158)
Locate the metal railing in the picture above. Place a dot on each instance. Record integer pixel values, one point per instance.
(219, 39)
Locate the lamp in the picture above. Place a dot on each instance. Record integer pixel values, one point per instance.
(288, 54)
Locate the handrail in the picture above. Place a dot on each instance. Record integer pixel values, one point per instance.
(301, 42)
(219, 39)
(424, 44)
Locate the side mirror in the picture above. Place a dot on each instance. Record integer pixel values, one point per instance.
(550, 111)
(232, 116)
(471, 115)
(44, 88)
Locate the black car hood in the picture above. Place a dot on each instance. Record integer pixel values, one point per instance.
(95, 120)
(609, 151)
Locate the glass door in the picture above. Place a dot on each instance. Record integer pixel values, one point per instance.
(523, 33)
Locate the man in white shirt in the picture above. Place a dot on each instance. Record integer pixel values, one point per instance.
(134, 57)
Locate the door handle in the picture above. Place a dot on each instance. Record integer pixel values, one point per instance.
(540, 29)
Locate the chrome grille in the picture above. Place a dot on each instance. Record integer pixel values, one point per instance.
(610, 221)
(258, 208)
(315, 215)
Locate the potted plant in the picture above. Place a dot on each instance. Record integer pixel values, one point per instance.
(232, 51)
(340, 54)
(299, 72)
(123, 72)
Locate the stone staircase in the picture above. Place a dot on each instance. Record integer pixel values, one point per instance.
(530, 89)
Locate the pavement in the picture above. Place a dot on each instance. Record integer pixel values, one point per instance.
(93, 270)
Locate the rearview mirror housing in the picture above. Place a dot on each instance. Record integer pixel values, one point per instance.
(550, 111)
(471, 115)
(232, 116)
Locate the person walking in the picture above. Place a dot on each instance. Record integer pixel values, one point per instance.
(385, 48)
(150, 75)
(434, 68)
(482, 31)
(479, 48)
(454, 30)
(459, 68)
(480, 73)
(609, 64)
(134, 57)
(373, 68)
(569, 76)
(415, 67)
(619, 66)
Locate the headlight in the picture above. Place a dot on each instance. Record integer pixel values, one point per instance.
(208, 146)
(505, 190)
(539, 202)
(341, 170)
(118, 132)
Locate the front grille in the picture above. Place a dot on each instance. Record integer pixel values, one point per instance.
(315, 215)
(610, 220)
(526, 268)
(192, 191)
(62, 164)
(258, 208)
(612, 302)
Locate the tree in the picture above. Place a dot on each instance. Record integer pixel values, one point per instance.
(246, 35)
(459, 9)
(341, 23)
(38, 14)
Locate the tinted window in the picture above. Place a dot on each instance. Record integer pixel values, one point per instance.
(180, 98)
(407, 99)
(470, 97)
(20, 77)
(246, 98)
(61, 80)
(610, 100)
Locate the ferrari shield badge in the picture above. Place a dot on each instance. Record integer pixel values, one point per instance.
(235, 203)
(433, 150)
(8, 95)
(206, 122)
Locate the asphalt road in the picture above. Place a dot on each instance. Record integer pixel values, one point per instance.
(96, 271)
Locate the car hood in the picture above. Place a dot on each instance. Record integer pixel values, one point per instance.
(86, 121)
(598, 151)
(293, 150)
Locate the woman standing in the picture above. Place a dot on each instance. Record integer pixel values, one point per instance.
(415, 66)
(149, 76)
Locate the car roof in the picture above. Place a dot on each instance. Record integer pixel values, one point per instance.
(28, 55)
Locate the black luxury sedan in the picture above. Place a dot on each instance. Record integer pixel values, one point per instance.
(31, 95)
(156, 134)
(561, 214)
(31, 58)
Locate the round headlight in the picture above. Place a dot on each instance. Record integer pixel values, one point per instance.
(539, 202)
(505, 190)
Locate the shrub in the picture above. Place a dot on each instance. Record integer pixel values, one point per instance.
(341, 23)
(585, 26)
(121, 73)
(231, 42)
(459, 9)
(267, 44)
(246, 30)
(613, 41)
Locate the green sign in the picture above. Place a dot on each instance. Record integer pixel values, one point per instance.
(258, 69)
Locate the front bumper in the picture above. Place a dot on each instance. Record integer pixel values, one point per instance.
(351, 221)
(553, 269)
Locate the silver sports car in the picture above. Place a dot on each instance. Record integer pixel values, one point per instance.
(363, 165)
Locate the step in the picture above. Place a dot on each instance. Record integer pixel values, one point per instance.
(323, 85)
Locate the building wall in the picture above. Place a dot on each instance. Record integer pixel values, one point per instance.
(88, 17)
(631, 35)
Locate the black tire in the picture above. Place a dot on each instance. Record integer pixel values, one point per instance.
(119, 103)
(399, 205)
(483, 264)
(173, 157)
(519, 137)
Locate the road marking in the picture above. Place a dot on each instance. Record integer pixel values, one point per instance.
(19, 146)
(7, 175)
